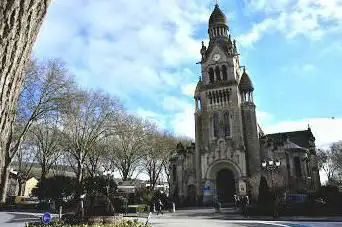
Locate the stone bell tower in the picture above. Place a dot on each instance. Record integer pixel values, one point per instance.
(227, 145)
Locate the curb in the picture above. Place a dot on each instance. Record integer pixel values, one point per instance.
(297, 219)
(262, 218)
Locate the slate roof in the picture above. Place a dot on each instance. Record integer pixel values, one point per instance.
(245, 83)
(217, 17)
(301, 138)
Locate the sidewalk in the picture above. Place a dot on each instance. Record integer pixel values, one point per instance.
(232, 214)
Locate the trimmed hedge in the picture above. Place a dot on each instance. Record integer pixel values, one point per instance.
(141, 208)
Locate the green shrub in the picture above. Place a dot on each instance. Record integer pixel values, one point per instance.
(138, 208)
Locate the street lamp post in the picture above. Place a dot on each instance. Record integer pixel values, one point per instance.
(108, 174)
(271, 166)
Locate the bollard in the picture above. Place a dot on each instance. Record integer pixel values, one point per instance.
(60, 213)
(173, 207)
(82, 210)
(218, 207)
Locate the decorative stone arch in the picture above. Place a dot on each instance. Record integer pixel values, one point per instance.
(214, 181)
(216, 166)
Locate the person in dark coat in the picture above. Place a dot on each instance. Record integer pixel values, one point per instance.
(159, 207)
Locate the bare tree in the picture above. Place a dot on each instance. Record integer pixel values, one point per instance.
(86, 124)
(47, 146)
(330, 161)
(325, 163)
(173, 141)
(336, 150)
(97, 158)
(24, 161)
(46, 90)
(158, 150)
(127, 146)
(61, 167)
(19, 25)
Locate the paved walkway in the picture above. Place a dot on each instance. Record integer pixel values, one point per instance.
(232, 214)
(173, 220)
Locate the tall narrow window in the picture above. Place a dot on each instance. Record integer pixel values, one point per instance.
(199, 104)
(224, 72)
(216, 124)
(298, 168)
(226, 124)
(174, 173)
(217, 72)
(211, 75)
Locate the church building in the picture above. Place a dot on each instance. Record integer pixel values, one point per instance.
(226, 158)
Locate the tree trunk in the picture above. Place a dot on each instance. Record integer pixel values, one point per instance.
(79, 176)
(20, 187)
(43, 173)
(4, 182)
(20, 21)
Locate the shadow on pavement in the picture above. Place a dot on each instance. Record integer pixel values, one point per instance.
(21, 218)
(232, 214)
(210, 213)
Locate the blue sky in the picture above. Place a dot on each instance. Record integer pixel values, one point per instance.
(145, 53)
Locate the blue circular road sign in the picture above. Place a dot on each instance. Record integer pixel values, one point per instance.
(46, 218)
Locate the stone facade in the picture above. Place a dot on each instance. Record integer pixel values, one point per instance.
(297, 153)
(229, 145)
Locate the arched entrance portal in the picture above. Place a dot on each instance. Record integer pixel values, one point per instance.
(225, 185)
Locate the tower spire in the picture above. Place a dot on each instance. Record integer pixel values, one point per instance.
(217, 23)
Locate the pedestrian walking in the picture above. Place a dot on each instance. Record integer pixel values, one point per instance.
(235, 199)
(160, 207)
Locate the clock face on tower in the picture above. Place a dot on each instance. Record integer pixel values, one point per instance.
(216, 57)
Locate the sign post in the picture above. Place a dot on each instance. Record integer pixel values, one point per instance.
(148, 218)
(46, 218)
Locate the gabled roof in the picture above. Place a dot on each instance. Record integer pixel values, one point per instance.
(224, 43)
(300, 138)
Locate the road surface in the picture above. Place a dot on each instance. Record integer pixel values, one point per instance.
(17, 219)
(180, 219)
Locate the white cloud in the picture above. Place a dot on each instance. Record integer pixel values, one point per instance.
(256, 33)
(173, 103)
(268, 6)
(183, 122)
(180, 119)
(310, 18)
(160, 120)
(126, 47)
(325, 130)
(189, 89)
(263, 117)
